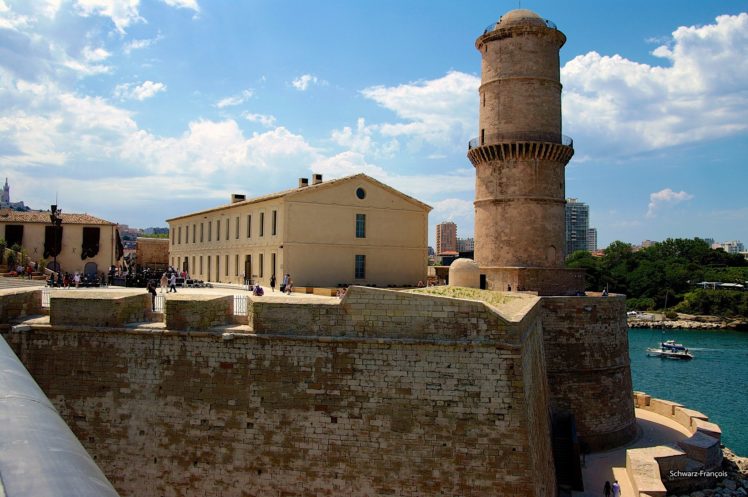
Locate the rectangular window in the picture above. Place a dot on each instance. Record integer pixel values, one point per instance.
(218, 230)
(202, 238)
(193, 262)
(173, 236)
(227, 263)
(236, 262)
(207, 264)
(262, 265)
(90, 247)
(275, 223)
(360, 267)
(194, 237)
(272, 263)
(227, 229)
(201, 265)
(360, 225)
(210, 230)
(218, 267)
(262, 224)
(237, 227)
(179, 235)
(249, 225)
(248, 266)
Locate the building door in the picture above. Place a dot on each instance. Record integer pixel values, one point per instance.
(247, 269)
(90, 269)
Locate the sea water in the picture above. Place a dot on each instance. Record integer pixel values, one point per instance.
(715, 382)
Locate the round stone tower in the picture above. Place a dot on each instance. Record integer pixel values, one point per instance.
(519, 158)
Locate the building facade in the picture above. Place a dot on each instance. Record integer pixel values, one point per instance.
(352, 230)
(465, 244)
(577, 216)
(83, 243)
(592, 239)
(446, 237)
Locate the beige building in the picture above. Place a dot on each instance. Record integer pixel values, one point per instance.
(84, 243)
(352, 230)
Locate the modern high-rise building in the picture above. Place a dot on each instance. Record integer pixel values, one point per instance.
(592, 239)
(446, 237)
(577, 225)
(465, 244)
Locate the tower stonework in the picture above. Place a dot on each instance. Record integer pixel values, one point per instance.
(519, 158)
(520, 227)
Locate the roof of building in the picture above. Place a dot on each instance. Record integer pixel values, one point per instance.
(521, 16)
(42, 217)
(304, 189)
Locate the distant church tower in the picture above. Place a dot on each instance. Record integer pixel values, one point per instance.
(519, 158)
(5, 196)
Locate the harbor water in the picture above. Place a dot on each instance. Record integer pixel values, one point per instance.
(715, 382)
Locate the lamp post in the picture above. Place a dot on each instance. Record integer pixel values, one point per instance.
(56, 218)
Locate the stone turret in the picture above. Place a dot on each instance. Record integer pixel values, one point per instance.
(519, 158)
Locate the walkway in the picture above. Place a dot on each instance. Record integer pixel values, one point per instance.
(654, 430)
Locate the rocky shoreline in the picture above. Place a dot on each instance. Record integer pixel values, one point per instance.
(690, 323)
(735, 484)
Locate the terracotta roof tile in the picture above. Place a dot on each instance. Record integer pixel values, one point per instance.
(11, 216)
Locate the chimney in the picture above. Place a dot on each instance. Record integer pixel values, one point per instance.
(238, 197)
(303, 182)
(316, 179)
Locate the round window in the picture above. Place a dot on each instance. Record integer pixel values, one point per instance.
(360, 193)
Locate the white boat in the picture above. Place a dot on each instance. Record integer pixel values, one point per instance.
(670, 350)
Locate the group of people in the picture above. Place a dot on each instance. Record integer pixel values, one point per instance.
(66, 280)
(612, 490)
(286, 286)
(170, 280)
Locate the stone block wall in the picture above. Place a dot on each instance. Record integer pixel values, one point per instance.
(543, 281)
(152, 251)
(198, 312)
(587, 361)
(168, 414)
(18, 303)
(98, 308)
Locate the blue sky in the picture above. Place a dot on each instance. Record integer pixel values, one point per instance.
(141, 110)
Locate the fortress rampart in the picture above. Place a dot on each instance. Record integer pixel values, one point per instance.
(363, 409)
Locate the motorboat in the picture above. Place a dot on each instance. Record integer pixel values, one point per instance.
(670, 350)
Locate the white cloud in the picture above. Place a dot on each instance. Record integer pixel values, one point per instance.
(452, 208)
(616, 106)
(11, 20)
(141, 44)
(440, 112)
(183, 4)
(131, 91)
(302, 82)
(235, 99)
(123, 13)
(95, 54)
(264, 119)
(361, 140)
(665, 196)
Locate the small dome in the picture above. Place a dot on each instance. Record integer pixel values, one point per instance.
(465, 273)
(520, 16)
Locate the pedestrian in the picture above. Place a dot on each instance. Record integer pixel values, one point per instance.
(77, 279)
(164, 282)
(289, 286)
(152, 291)
(606, 489)
(173, 283)
(285, 281)
(59, 279)
(616, 489)
(272, 282)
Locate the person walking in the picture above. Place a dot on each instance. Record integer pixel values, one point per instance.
(616, 489)
(164, 282)
(272, 282)
(77, 279)
(173, 283)
(152, 291)
(606, 489)
(289, 286)
(285, 281)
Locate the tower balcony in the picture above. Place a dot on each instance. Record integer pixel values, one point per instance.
(521, 136)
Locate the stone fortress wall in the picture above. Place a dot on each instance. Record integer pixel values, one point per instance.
(403, 395)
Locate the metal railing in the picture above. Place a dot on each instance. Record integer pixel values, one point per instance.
(521, 137)
(494, 25)
(159, 303)
(45, 298)
(240, 305)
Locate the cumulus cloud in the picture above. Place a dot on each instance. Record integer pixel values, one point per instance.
(235, 99)
(303, 82)
(665, 196)
(131, 91)
(617, 106)
(453, 208)
(183, 4)
(440, 112)
(264, 119)
(140, 44)
(362, 140)
(123, 13)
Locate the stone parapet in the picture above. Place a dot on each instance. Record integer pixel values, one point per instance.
(19, 302)
(543, 281)
(108, 308)
(198, 312)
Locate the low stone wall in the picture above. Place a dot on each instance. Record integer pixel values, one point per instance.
(198, 312)
(369, 312)
(18, 302)
(651, 469)
(108, 309)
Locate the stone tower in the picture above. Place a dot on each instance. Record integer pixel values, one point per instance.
(5, 195)
(519, 158)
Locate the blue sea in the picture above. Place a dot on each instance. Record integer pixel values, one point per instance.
(715, 382)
